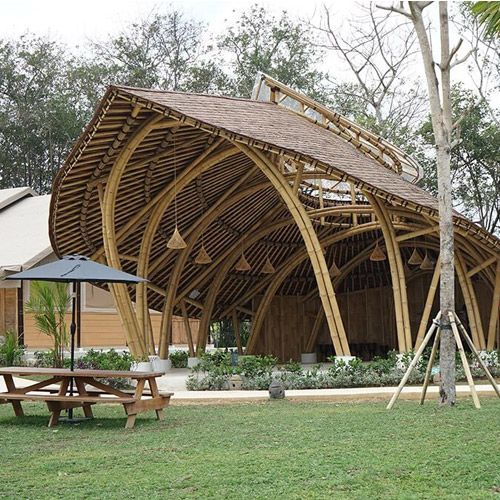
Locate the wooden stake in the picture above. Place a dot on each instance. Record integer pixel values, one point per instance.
(465, 363)
(478, 356)
(414, 361)
(428, 371)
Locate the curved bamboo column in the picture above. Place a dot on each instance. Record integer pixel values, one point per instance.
(495, 306)
(429, 301)
(397, 274)
(470, 302)
(188, 174)
(171, 290)
(298, 212)
(122, 298)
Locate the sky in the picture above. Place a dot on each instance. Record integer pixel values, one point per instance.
(76, 22)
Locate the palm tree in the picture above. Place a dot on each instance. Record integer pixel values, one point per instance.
(48, 303)
(488, 15)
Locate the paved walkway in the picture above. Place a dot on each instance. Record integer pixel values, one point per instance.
(175, 381)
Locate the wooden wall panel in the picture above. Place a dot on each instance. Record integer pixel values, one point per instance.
(103, 330)
(8, 309)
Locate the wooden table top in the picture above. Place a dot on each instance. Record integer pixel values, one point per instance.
(66, 372)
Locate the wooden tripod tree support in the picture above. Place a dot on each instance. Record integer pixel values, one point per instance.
(457, 329)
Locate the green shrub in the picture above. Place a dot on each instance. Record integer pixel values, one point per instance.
(215, 362)
(11, 352)
(179, 359)
(255, 366)
(107, 360)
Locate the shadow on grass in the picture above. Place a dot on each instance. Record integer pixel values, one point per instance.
(96, 423)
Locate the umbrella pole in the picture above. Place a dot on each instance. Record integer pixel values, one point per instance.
(72, 330)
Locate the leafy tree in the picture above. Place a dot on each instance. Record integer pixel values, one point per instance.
(42, 109)
(278, 46)
(475, 161)
(155, 52)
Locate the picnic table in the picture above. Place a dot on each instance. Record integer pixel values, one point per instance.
(87, 391)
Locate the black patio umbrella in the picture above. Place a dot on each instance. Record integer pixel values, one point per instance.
(75, 269)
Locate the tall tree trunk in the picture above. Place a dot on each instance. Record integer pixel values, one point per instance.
(442, 126)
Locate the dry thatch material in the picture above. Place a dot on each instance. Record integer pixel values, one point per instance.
(274, 187)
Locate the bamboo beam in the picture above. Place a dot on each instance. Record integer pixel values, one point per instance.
(495, 306)
(416, 234)
(426, 313)
(340, 209)
(481, 266)
(313, 246)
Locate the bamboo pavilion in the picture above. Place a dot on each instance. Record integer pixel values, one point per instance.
(273, 210)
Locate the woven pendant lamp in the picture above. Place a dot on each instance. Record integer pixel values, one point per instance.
(242, 264)
(378, 254)
(427, 263)
(203, 258)
(334, 270)
(268, 268)
(176, 242)
(415, 258)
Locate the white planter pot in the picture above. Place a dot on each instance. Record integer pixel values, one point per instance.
(141, 366)
(192, 362)
(161, 365)
(308, 358)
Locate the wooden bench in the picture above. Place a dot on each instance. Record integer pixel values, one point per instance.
(74, 392)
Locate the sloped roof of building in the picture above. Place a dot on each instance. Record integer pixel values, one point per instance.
(24, 228)
(204, 122)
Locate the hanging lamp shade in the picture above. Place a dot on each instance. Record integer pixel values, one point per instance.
(334, 270)
(242, 264)
(176, 242)
(268, 268)
(203, 258)
(378, 254)
(415, 258)
(427, 263)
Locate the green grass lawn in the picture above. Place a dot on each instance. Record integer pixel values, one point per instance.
(269, 450)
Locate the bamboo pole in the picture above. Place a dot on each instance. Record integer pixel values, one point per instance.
(399, 303)
(478, 356)
(426, 313)
(237, 335)
(318, 321)
(467, 299)
(414, 361)
(481, 266)
(416, 234)
(473, 306)
(495, 306)
(428, 371)
(312, 244)
(465, 363)
(187, 326)
(123, 304)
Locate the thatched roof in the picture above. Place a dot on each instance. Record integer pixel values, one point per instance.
(75, 220)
